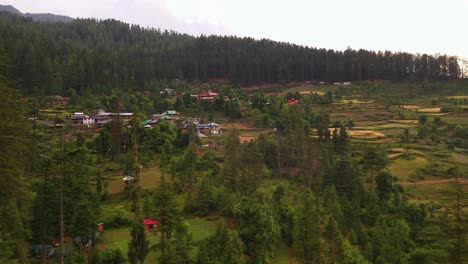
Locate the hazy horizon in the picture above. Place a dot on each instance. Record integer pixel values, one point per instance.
(417, 26)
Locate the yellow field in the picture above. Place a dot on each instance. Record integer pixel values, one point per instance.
(411, 107)
(458, 96)
(365, 134)
(429, 110)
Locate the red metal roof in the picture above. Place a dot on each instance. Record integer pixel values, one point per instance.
(148, 221)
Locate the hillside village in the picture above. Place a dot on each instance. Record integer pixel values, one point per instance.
(128, 144)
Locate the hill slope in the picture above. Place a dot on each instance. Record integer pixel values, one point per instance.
(40, 17)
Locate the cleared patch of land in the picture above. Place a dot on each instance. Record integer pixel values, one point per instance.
(435, 190)
(243, 139)
(402, 150)
(404, 168)
(120, 237)
(149, 179)
(459, 118)
(460, 158)
(429, 110)
(283, 255)
(458, 97)
(408, 121)
(365, 134)
(355, 101)
(412, 107)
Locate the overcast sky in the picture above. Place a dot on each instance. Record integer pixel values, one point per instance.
(419, 26)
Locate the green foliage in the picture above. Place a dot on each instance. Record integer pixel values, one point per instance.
(307, 231)
(231, 165)
(13, 143)
(258, 228)
(224, 247)
(108, 256)
(138, 247)
(384, 182)
(202, 200)
(57, 58)
(114, 216)
(175, 239)
(391, 241)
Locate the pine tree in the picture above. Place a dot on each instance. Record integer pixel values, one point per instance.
(13, 144)
(232, 163)
(306, 238)
(258, 228)
(171, 225)
(138, 247)
(222, 247)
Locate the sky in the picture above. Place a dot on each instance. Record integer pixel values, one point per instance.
(417, 26)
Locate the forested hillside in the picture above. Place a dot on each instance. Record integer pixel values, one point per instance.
(50, 58)
(121, 144)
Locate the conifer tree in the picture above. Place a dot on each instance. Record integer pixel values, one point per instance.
(222, 247)
(138, 247)
(306, 239)
(232, 161)
(13, 144)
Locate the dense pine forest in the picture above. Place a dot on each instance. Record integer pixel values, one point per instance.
(51, 58)
(198, 164)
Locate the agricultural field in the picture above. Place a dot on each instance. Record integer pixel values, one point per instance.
(382, 124)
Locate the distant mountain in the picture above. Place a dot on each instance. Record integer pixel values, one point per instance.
(49, 17)
(9, 8)
(36, 17)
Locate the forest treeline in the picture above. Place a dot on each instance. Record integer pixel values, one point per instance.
(92, 55)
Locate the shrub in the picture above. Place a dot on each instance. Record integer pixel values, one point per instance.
(108, 256)
(114, 216)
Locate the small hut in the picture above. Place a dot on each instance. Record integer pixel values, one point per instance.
(150, 225)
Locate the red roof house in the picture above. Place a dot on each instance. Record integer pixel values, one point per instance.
(150, 225)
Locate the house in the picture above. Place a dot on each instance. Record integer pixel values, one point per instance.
(168, 91)
(81, 118)
(208, 96)
(292, 101)
(77, 117)
(346, 83)
(171, 113)
(164, 116)
(336, 83)
(151, 225)
(212, 127)
(125, 116)
(101, 117)
(194, 120)
(88, 120)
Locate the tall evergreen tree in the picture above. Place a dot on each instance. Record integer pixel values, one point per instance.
(13, 143)
(306, 239)
(222, 247)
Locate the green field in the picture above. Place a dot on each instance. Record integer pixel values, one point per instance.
(119, 238)
(403, 169)
(149, 179)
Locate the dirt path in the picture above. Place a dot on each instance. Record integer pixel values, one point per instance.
(437, 181)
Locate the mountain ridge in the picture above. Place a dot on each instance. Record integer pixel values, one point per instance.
(39, 17)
